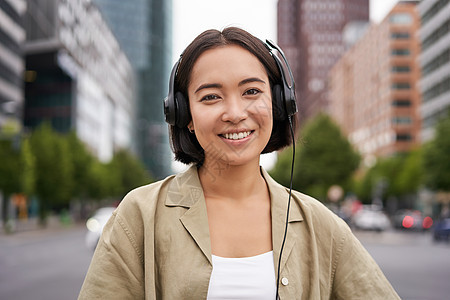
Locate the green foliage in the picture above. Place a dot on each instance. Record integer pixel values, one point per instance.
(9, 168)
(128, 173)
(28, 169)
(59, 168)
(396, 176)
(325, 158)
(99, 184)
(81, 161)
(437, 159)
(53, 169)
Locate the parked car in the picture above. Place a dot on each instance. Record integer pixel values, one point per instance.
(371, 218)
(95, 226)
(441, 230)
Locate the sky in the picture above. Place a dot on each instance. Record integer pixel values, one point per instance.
(259, 17)
(191, 17)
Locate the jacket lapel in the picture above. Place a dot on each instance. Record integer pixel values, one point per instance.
(279, 196)
(185, 191)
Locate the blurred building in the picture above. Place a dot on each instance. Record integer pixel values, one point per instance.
(144, 31)
(373, 88)
(77, 76)
(12, 63)
(435, 62)
(311, 35)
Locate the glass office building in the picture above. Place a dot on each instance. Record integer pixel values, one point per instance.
(144, 31)
(12, 64)
(77, 76)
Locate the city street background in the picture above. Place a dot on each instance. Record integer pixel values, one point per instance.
(50, 264)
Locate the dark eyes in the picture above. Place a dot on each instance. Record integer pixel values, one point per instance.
(209, 97)
(252, 92)
(249, 92)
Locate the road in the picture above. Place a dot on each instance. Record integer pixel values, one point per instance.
(51, 264)
(417, 267)
(43, 265)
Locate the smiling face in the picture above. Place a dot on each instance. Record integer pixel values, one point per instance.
(231, 105)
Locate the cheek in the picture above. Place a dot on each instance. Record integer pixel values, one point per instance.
(262, 112)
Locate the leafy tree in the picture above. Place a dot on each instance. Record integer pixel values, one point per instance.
(17, 171)
(380, 179)
(81, 161)
(437, 158)
(9, 173)
(410, 177)
(53, 170)
(324, 158)
(99, 183)
(130, 173)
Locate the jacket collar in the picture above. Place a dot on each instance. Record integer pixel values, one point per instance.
(186, 191)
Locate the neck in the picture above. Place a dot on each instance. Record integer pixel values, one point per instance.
(228, 181)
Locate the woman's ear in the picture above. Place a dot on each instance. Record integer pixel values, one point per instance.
(190, 126)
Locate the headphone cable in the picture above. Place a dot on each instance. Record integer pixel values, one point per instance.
(288, 206)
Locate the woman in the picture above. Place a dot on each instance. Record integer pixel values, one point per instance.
(216, 230)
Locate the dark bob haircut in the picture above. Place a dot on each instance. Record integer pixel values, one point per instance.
(185, 144)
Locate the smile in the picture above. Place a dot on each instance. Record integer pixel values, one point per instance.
(236, 136)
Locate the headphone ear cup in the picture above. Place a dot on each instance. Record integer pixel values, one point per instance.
(182, 110)
(278, 108)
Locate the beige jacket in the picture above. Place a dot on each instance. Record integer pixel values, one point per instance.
(157, 246)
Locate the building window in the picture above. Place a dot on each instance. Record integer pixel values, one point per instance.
(401, 103)
(437, 90)
(400, 35)
(400, 69)
(400, 52)
(405, 120)
(433, 11)
(401, 86)
(436, 35)
(437, 62)
(401, 18)
(403, 137)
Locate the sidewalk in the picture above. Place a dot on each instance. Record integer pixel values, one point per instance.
(32, 224)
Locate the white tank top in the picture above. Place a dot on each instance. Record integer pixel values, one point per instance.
(243, 278)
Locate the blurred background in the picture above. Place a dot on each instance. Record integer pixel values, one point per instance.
(82, 84)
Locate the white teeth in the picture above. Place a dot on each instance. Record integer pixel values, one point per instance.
(237, 136)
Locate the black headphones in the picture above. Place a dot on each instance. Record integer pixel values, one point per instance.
(284, 104)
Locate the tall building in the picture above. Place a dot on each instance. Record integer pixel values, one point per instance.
(77, 77)
(144, 31)
(435, 62)
(311, 34)
(12, 63)
(373, 88)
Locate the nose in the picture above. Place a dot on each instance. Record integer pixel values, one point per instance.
(235, 110)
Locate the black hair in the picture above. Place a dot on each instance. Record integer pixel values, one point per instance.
(185, 144)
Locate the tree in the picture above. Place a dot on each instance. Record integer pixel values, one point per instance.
(324, 158)
(54, 182)
(81, 161)
(437, 159)
(129, 172)
(17, 171)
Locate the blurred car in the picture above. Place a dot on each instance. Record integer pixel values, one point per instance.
(95, 226)
(441, 230)
(371, 218)
(412, 220)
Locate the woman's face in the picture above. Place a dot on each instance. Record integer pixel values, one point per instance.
(231, 105)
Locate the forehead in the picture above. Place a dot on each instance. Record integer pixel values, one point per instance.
(225, 61)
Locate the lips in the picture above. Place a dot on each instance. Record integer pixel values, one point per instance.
(236, 135)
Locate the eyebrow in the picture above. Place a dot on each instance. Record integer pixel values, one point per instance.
(208, 86)
(218, 85)
(249, 80)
